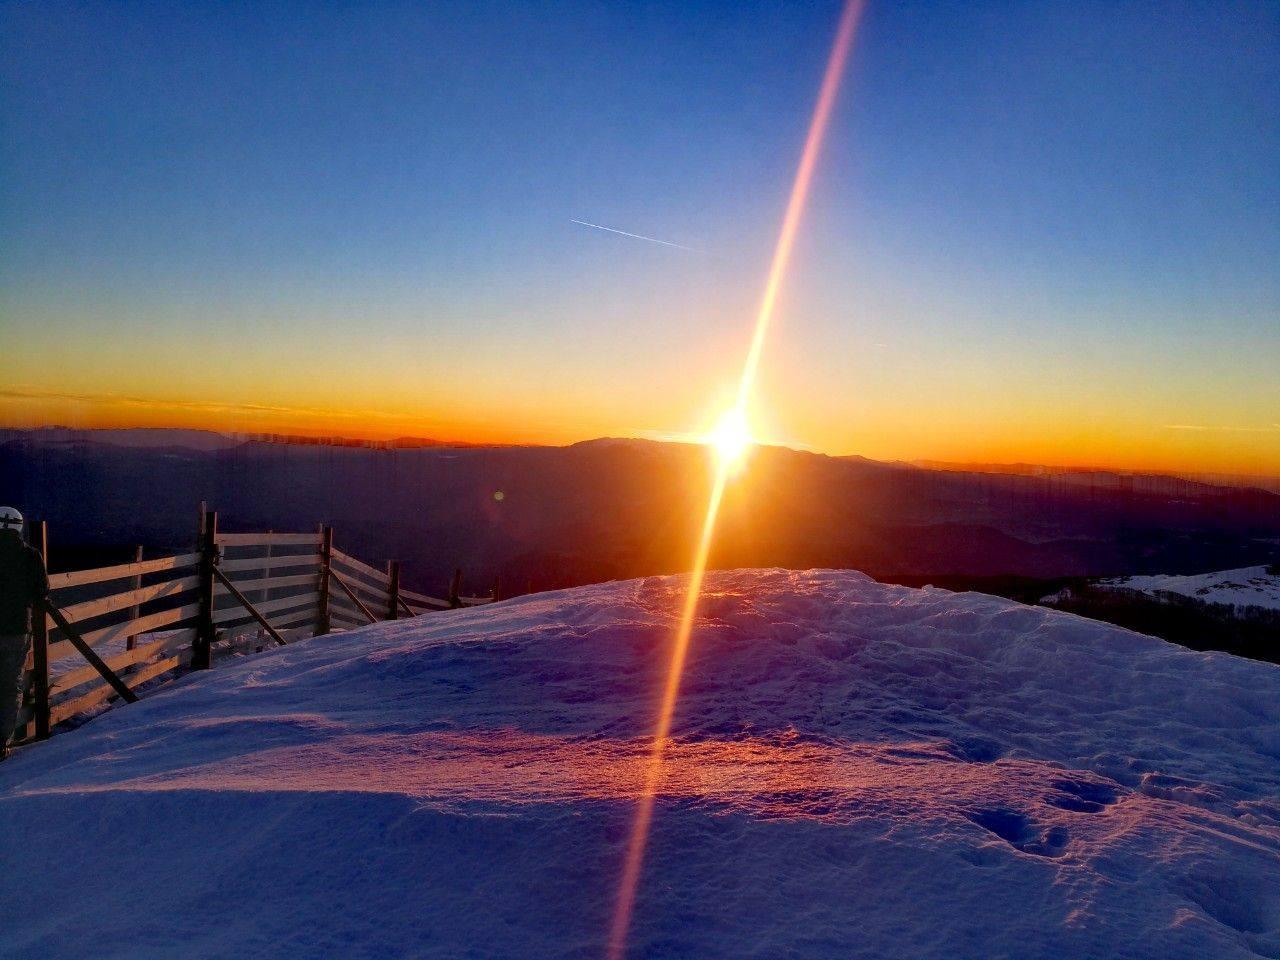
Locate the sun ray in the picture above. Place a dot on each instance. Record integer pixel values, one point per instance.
(732, 440)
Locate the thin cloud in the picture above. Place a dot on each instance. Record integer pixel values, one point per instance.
(1200, 427)
(634, 236)
(199, 406)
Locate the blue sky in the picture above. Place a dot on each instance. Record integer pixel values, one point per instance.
(1065, 211)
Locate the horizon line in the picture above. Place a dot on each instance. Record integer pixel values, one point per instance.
(933, 464)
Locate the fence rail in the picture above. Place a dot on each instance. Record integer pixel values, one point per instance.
(97, 639)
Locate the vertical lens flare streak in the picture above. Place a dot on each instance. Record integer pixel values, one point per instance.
(799, 192)
(621, 923)
(653, 769)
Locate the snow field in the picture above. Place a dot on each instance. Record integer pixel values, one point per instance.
(857, 770)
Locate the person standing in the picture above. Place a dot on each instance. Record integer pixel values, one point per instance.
(23, 584)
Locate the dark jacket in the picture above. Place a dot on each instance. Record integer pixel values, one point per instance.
(22, 583)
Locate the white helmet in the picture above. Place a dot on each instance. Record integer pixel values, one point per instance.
(11, 519)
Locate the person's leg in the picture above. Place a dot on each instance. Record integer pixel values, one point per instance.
(13, 657)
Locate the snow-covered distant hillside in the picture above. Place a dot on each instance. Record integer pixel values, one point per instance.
(1246, 587)
(859, 771)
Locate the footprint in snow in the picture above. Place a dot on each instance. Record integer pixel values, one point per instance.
(1022, 833)
(1082, 796)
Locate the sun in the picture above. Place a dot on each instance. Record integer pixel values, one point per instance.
(731, 439)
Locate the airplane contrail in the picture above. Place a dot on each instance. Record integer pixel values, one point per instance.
(637, 236)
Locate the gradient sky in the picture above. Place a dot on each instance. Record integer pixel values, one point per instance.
(1038, 232)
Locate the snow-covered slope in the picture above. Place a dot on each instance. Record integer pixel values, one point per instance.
(860, 770)
(1245, 587)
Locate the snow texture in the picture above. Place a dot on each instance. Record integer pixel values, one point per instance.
(1245, 587)
(858, 770)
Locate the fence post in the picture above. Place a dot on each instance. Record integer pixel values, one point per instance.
(40, 639)
(135, 611)
(326, 560)
(497, 589)
(202, 649)
(393, 589)
(265, 592)
(455, 586)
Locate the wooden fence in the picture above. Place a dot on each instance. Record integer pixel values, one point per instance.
(104, 632)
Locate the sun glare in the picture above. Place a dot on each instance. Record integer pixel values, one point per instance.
(731, 439)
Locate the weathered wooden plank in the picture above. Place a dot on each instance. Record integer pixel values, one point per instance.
(378, 593)
(117, 631)
(144, 624)
(90, 654)
(179, 639)
(367, 594)
(76, 578)
(326, 564)
(372, 573)
(271, 606)
(268, 583)
(87, 701)
(206, 632)
(276, 562)
(60, 650)
(73, 678)
(347, 608)
(78, 612)
(153, 670)
(263, 539)
(342, 585)
(293, 619)
(424, 600)
(342, 603)
(440, 603)
(377, 603)
(253, 611)
(139, 654)
(415, 611)
(136, 610)
(393, 589)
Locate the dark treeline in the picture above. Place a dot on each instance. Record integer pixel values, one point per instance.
(1245, 631)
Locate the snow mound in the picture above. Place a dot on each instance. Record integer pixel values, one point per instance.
(858, 770)
(1243, 587)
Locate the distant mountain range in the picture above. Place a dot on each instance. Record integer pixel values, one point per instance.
(541, 517)
(1112, 478)
(208, 439)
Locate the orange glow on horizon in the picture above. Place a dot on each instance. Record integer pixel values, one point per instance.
(1240, 443)
(732, 440)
